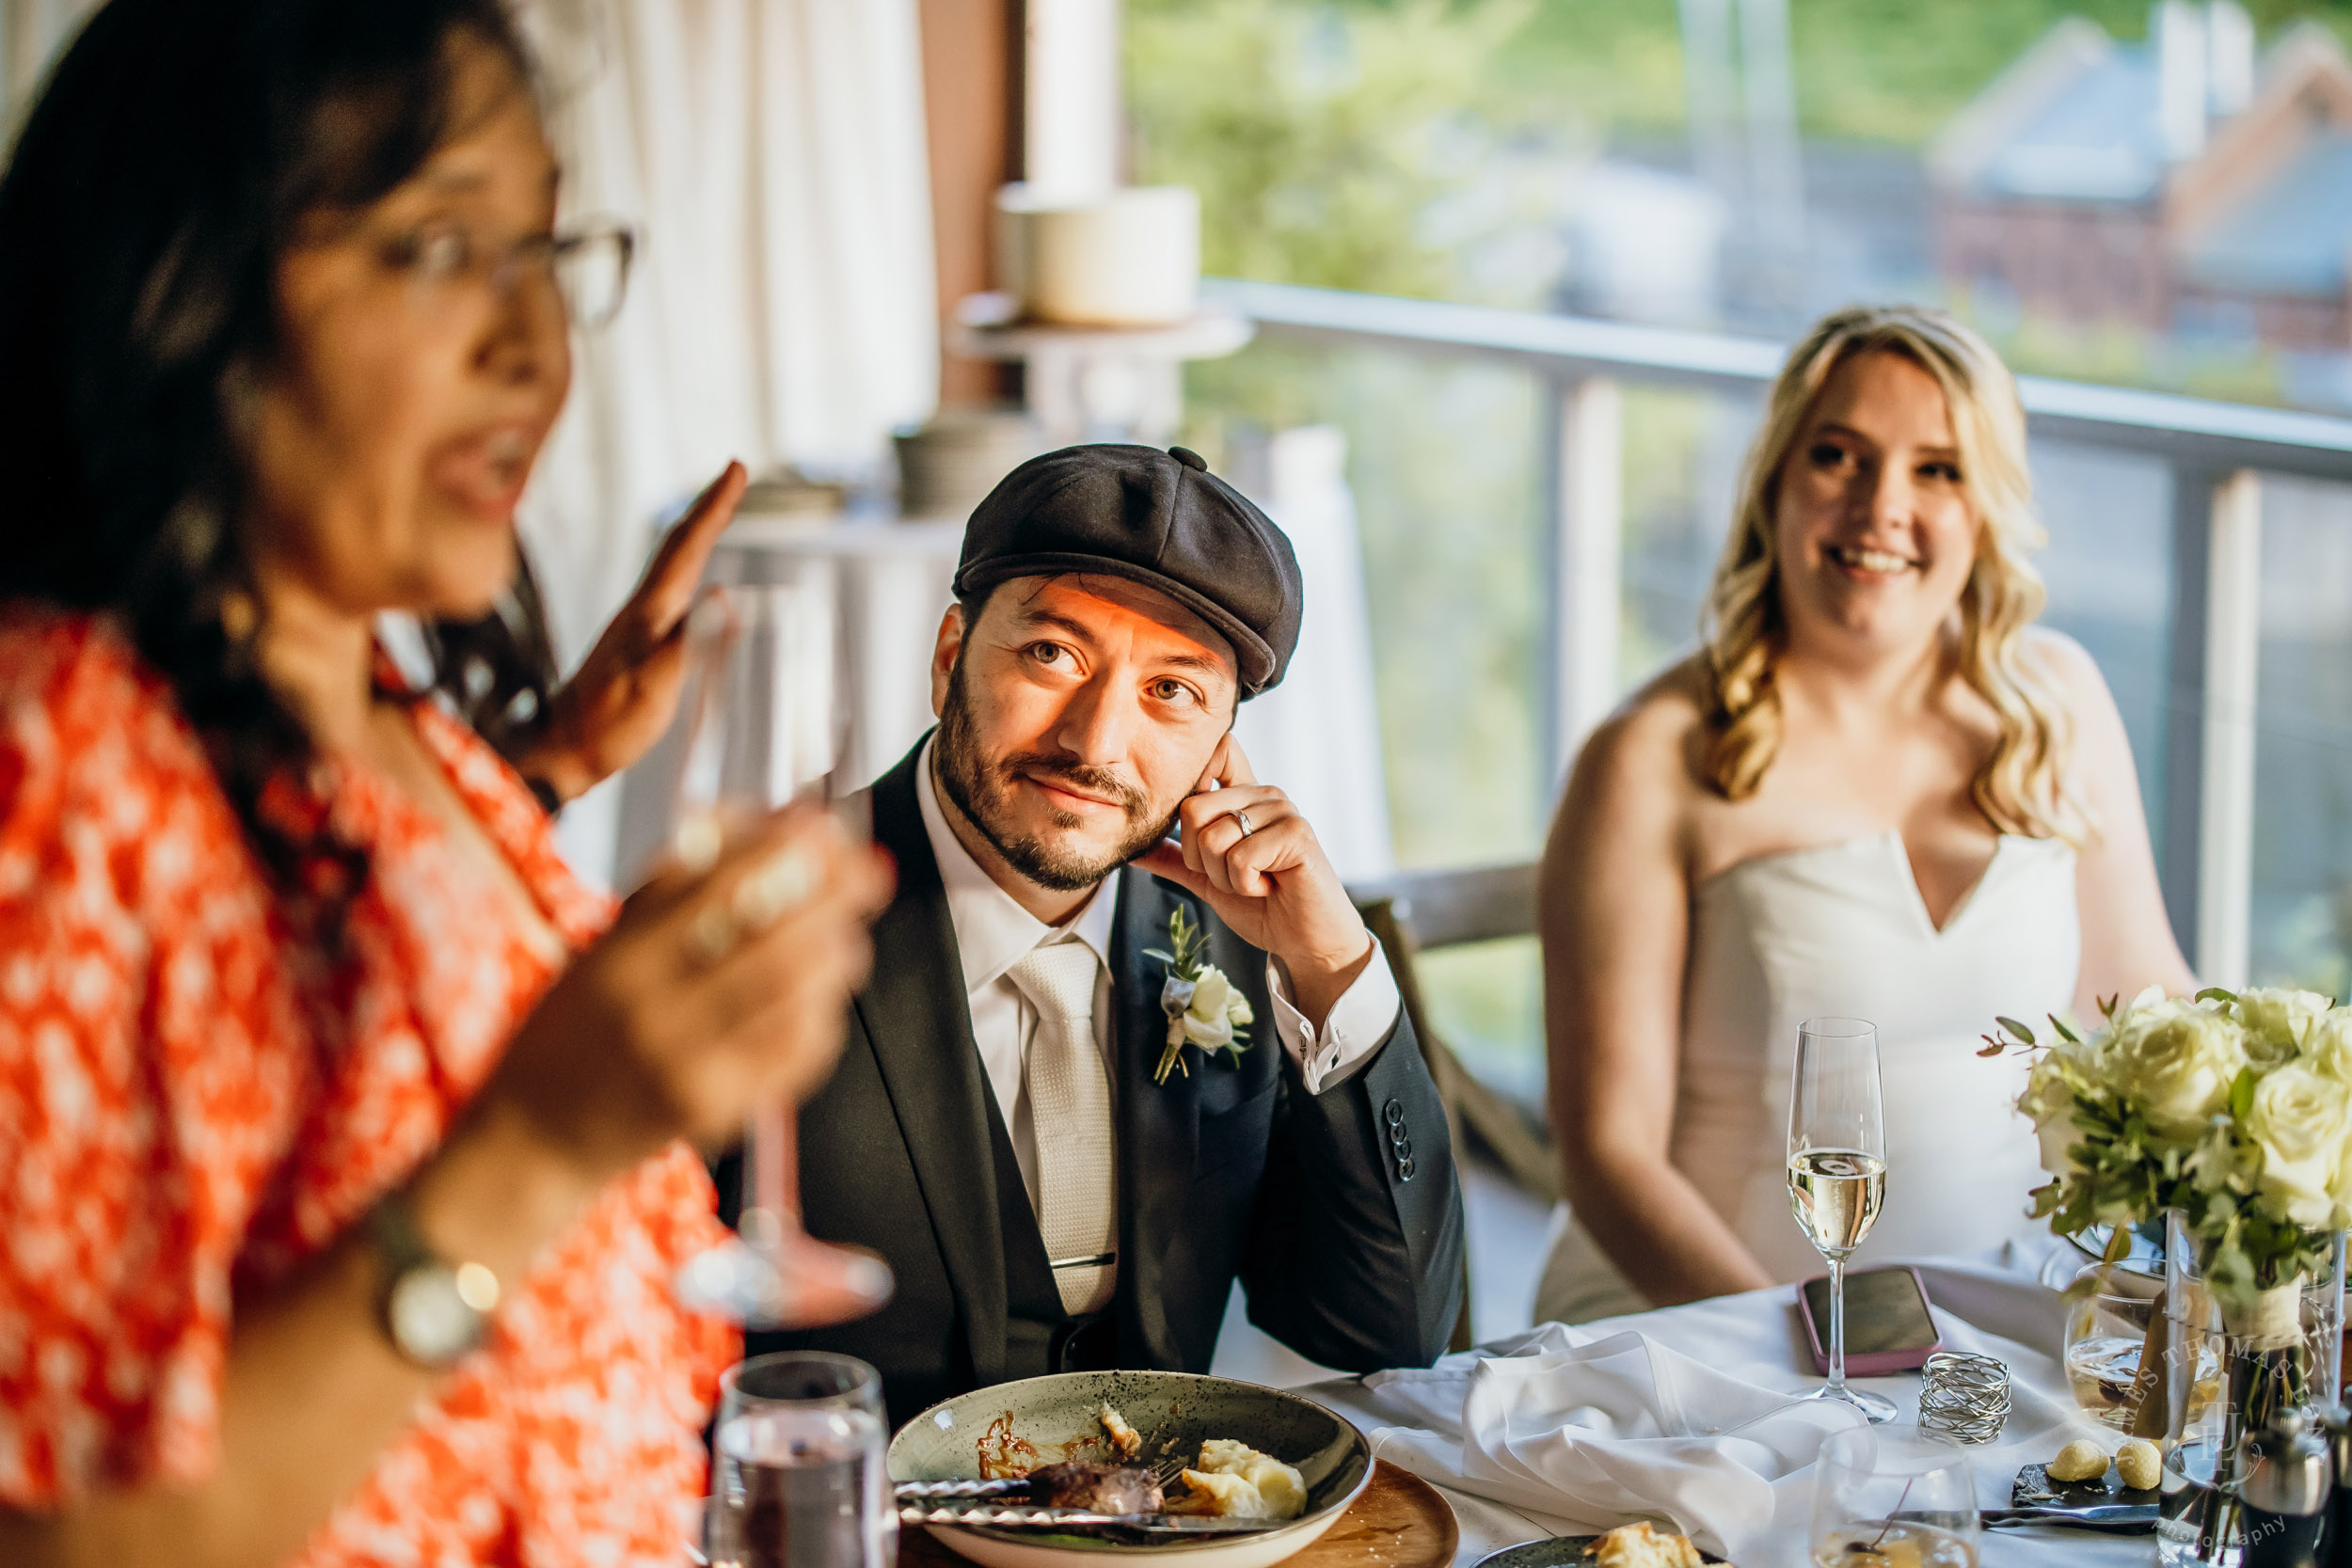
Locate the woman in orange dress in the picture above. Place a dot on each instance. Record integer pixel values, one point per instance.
(305, 1029)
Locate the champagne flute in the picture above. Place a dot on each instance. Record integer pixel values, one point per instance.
(1838, 1169)
(771, 717)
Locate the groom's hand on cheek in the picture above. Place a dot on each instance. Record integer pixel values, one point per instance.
(1254, 859)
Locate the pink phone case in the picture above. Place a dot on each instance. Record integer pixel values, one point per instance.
(1872, 1363)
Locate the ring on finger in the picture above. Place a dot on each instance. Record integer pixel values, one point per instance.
(714, 933)
(697, 842)
(1243, 817)
(771, 889)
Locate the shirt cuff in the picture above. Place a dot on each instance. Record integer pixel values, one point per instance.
(1360, 1019)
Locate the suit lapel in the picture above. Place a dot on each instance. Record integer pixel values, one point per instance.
(919, 1023)
(1158, 1123)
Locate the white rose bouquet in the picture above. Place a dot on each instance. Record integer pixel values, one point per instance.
(2234, 1108)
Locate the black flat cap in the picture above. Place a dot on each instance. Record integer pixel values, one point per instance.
(1159, 519)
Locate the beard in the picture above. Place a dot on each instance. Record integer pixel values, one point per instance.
(983, 790)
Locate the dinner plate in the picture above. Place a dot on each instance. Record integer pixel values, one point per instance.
(1042, 1420)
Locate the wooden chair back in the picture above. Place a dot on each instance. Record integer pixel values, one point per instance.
(1413, 913)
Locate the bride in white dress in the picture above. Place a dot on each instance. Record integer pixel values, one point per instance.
(1876, 791)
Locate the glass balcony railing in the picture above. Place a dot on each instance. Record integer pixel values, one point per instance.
(1541, 499)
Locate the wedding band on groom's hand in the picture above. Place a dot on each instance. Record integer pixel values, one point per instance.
(1243, 817)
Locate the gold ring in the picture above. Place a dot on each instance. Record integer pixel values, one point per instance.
(771, 889)
(714, 934)
(697, 842)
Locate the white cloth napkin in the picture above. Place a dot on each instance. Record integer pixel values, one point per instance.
(1597, 1432)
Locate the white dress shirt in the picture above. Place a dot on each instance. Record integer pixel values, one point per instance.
(993, 932)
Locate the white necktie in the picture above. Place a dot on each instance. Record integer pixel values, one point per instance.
(1070, 1102)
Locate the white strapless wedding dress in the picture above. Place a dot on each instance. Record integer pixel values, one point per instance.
(1840, 930)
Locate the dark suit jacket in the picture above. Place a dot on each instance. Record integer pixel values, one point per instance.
(1339, 1212)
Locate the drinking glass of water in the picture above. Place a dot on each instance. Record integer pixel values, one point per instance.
(1838, 1169)
(798, 1476)
(1884, 1495)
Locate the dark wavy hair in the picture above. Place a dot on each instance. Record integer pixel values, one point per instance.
(177, 153)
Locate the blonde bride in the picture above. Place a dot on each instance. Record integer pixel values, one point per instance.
(1877, 790)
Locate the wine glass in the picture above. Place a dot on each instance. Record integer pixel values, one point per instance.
(1876, 1488)
(1838, 1169)
(771, 717)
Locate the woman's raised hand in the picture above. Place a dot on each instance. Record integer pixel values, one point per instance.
(625, 693)
(717, 990)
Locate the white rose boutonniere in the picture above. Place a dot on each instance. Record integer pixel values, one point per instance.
(1204, 1007)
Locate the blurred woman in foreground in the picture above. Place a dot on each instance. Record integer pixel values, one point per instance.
(297, 999)
(1876, 791)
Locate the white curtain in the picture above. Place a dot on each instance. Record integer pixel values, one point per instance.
(770, 153)
(1318, 734)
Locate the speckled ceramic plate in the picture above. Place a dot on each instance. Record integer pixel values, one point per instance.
(1042, 1420)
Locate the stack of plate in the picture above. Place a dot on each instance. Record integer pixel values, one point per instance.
(948, 465)
(787, 492)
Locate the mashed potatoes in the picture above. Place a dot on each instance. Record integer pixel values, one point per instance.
(1235, 1480)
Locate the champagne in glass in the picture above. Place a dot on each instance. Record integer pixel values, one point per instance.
(1838, 1169)
(770, 718)
(1836, 1193)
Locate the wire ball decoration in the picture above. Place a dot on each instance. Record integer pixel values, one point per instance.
(1964, 1397)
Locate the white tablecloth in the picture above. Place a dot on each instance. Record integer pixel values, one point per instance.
(1995, 1306)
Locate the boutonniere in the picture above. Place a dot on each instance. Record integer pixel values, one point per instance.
(1202, 1006)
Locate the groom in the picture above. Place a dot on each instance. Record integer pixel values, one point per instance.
(1000, 1128)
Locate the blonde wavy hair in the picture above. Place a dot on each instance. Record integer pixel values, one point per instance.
(1744, 630)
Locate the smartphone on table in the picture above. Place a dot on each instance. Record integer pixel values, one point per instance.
(1888, 1326)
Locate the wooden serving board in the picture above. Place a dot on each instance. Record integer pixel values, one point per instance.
(1398, 1520)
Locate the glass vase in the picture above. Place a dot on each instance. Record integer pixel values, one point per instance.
(2209, 1374)
(2110, 1310)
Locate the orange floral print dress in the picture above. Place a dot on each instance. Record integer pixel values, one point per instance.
(175, 1122)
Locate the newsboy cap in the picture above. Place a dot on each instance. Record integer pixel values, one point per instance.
(1159, 519)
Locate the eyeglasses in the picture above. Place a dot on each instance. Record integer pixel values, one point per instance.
(588, 265)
